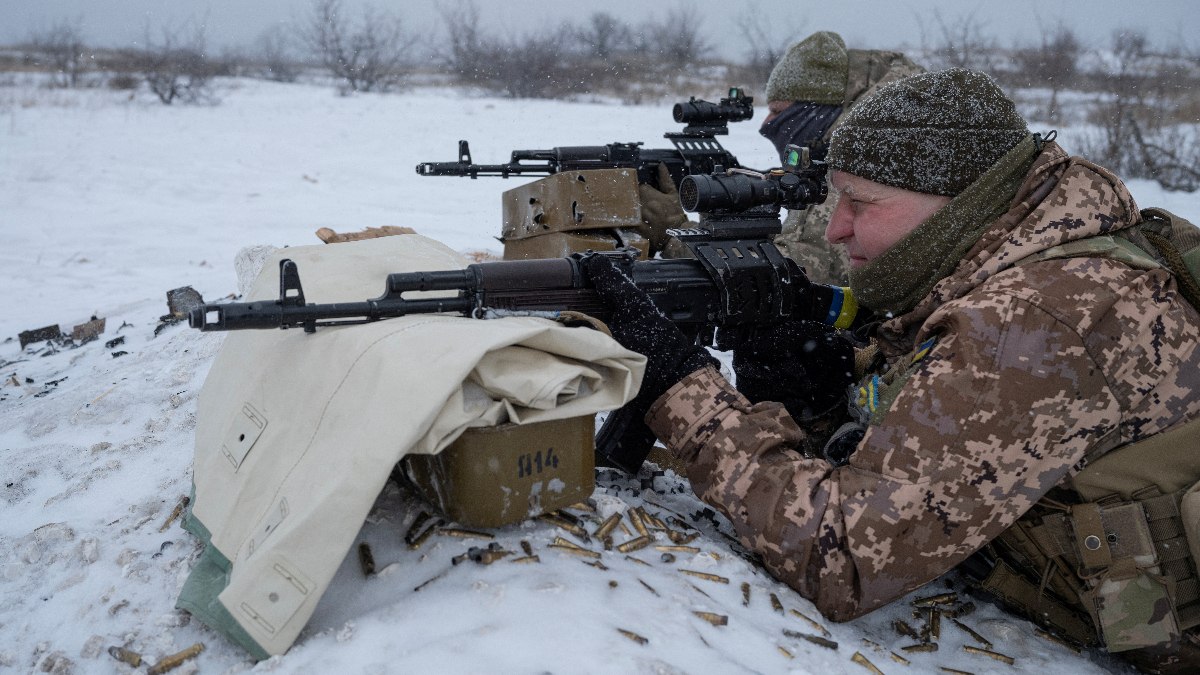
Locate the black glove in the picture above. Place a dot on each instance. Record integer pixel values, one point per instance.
(641, 327)
(805, 365)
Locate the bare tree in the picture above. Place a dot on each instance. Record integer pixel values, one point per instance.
(176, 67)
(1054, 64)
(959, 43)
(276, 56)
(466, 50)
(675, 40)
(605, 35)
(63, 47)
(371, 56)
(538, 64)
(1139, 136)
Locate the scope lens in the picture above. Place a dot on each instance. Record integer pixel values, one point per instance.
(688, 193)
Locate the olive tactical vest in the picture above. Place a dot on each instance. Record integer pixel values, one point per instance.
(1118, 569)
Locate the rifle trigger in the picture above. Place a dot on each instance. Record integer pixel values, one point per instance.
(290, 291)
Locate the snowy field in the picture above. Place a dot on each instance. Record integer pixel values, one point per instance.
(107, 202)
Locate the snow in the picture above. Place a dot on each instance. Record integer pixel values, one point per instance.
(108, 201)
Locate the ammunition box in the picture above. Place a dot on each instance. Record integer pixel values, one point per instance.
(494, 476)
(571, 212)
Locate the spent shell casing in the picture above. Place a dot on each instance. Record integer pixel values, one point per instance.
(667, 558)
(463, 533)
(970, 631)
(679, 522)
(597, 564)
(638, 561)
(527, 559)
(898, 659)
(525, 546)
(1046, 635)
(565, 515)
(903, 628)
(168, 663)
(624, 530)
(935, 623)
(678, 549)
(487, 557)
(583, 506)
(990, 654)
(125, 656)
(745, 594)
(175, 513)
(865, 663)
(561, 523)
(784, 652)
(933, 600)
(680, 538)
(706, 576)
(608, 543)
(607, 526)
(810, 622)
(418, 540)
(365, 559)
(635, 544)
(648, 519)
(815, 639)
(636, 519)
(713, 618)
(959, 612)
(633, 636)
(776, 604)
(575, 550)
(920, 647)
(411, 535)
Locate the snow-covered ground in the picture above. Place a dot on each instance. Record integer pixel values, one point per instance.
(107, 202)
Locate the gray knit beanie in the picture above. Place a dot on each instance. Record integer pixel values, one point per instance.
(934, 132)
(813, 69)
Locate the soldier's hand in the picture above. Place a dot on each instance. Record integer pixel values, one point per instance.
(805, 365)
(660, 208)
(641, 327)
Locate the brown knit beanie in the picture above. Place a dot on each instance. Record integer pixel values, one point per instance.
(934, 132)
(813, 69)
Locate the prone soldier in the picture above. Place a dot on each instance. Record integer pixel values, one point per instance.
(1031, 410)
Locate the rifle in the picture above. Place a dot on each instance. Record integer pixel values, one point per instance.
(737, 281)
(696, 150)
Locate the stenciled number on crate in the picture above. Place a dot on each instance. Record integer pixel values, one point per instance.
(536, 462)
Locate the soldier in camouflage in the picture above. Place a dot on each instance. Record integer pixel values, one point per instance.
(809, 91)
(1001, 371)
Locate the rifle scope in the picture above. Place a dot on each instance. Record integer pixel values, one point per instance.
(740, 192)
(735, 108)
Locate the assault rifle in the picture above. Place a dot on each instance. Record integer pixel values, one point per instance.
(737, 281)
(696, 150)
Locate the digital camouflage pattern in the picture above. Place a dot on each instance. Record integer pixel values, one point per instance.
(803, 235)
(1034, 369)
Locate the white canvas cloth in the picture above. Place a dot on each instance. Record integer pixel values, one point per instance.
(297, 433)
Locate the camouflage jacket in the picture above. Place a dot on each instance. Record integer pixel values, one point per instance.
(997, 387)
(803, 235)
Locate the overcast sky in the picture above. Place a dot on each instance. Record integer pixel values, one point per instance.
(863, 23)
